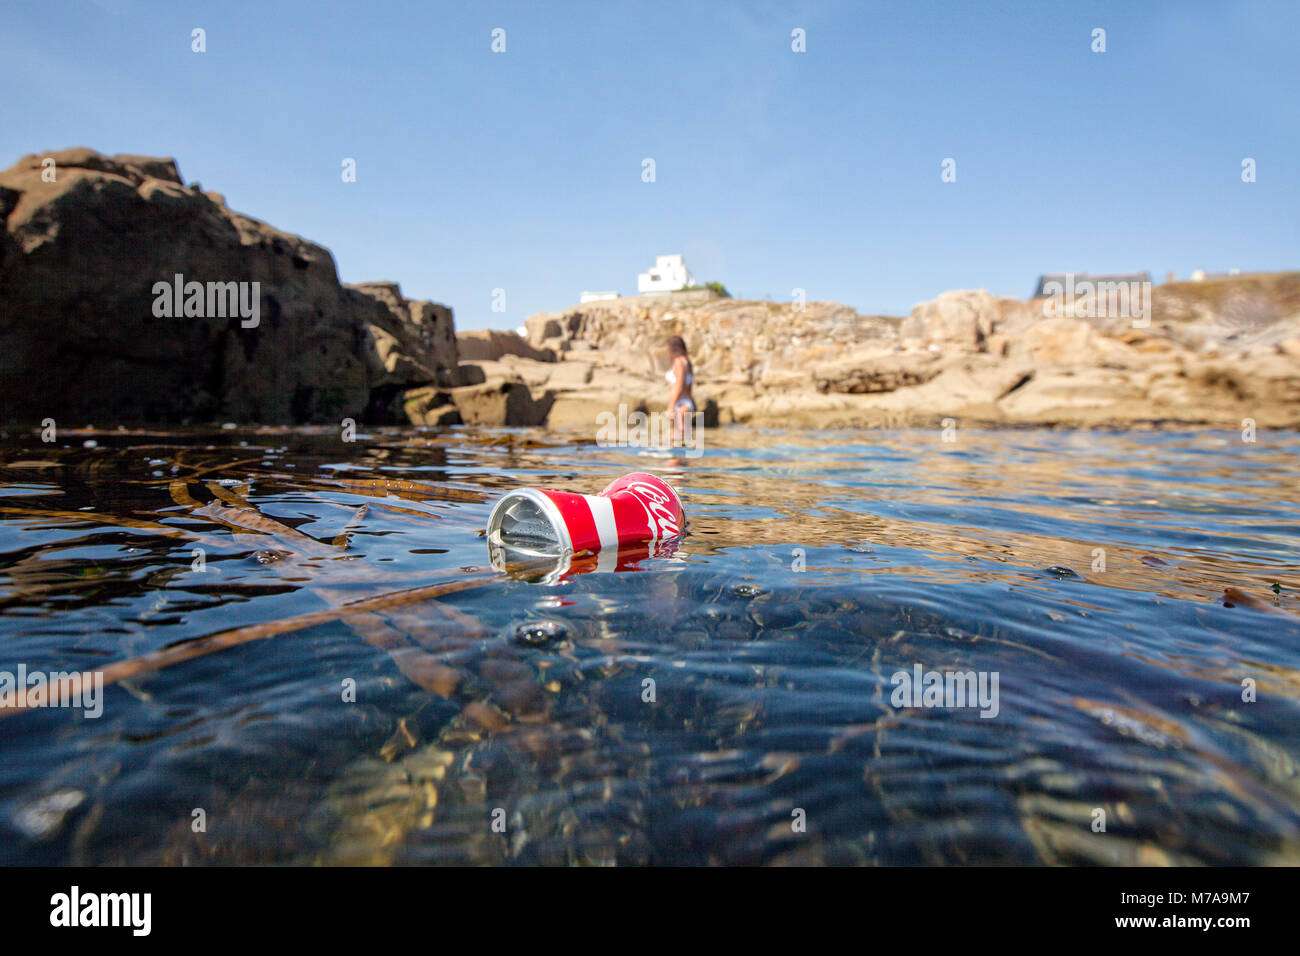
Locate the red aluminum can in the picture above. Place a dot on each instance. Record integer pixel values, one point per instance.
(636, 509)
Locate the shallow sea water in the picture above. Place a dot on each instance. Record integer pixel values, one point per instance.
(733, 701)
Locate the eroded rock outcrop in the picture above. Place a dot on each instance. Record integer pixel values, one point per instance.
(1215, 353)
(89, 241)
(423, 345)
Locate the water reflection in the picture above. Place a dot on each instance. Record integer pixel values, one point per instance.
(329, 660)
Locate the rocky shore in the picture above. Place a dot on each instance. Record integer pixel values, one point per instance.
(1207, 353)
(86, 335)
(88, 240)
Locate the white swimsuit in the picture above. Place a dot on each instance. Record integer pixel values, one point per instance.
(670, 378)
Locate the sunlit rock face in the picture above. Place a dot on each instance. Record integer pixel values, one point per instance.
(1212, 353)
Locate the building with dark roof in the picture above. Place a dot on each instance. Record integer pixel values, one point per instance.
(1072, 279)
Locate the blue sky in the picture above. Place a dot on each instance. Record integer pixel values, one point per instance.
(774, 170)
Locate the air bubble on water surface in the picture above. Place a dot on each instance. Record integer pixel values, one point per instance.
(1062, 572)
(538, 633)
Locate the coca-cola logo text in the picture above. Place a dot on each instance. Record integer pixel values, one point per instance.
(659, 506)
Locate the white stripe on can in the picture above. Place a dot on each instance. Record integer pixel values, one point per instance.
(607, 559)
(602, 512)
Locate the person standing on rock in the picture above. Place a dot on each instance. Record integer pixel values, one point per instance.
(680, 376)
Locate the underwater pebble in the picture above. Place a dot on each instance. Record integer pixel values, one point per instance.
(772, 615)
(45, 816)
(746, 590)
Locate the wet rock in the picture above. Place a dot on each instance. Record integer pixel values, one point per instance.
(580, 409)
(499, 402)
(776, 614)
(430, 406)
(43, 818)
(485, 716)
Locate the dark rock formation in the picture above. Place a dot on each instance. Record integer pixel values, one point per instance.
(92, 328)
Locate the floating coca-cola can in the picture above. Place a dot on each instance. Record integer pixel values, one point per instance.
(534, 523)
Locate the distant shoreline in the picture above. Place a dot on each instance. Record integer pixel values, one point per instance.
(256, 327)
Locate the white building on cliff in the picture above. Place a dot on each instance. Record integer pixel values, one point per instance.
(668, 275)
